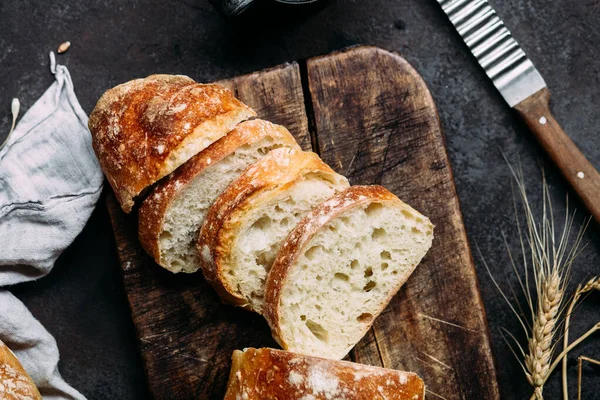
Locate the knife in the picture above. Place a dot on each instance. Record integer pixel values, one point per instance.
(524, 89)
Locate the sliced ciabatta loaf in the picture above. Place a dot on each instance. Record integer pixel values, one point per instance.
(144, 129)
(340, 267)
(246, 225)
(171, 215)
(15, 383)
(259, 374)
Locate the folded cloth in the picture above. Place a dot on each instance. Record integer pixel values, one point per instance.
(50, 181)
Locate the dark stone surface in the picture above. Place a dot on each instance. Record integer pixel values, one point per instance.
(82, 302)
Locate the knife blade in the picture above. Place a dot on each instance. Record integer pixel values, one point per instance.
(524, 89)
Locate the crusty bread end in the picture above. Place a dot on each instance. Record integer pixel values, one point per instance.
(259, 374)
(15, 383)
(144, 129)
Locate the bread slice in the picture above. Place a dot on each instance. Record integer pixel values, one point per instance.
(258, 374)
(171, 216)
(15, 383)
(144, 129)
(340, 267)
(244, 228)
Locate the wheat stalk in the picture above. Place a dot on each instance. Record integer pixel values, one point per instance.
(591, 285)
(546, 263)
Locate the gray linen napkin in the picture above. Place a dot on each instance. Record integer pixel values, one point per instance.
(50, 181)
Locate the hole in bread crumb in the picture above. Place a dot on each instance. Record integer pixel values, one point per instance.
(332, 228)
(395, 272)
(284, 222)
(256, 296)
(303, 317)
(319, 278)
(369, 286)
(354, 264)
(318, 307)
(385, 255)
(345, 220)
(342, 277)
(165, 235)
(262, 223)
(317, 330)
(263, 260)
(365, 318)
(312, 252)
(368, 272)
(407, 214)
(384, 266)
(414, 229)
(373, 208)
(378, 233)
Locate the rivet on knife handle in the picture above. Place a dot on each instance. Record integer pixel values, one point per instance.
(524, 89)
(578, 171)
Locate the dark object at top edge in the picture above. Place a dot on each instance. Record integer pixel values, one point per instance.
(232, 8)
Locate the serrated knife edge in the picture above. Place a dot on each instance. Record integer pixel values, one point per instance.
(494, 47)
(524, 89)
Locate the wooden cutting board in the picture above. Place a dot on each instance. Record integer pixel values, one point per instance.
(369, 115)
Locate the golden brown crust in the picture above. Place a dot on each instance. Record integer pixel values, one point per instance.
(301, 235)
(280, 169)
(15, 383)
(258, 374)
(144, 129)
(158, 201)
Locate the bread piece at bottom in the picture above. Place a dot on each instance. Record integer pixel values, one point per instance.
(15, 383)
(244, 228)
(259, 374)
(171, 216)
(340, 267)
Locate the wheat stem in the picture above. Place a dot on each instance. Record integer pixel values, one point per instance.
(592, 284)
(580, 361)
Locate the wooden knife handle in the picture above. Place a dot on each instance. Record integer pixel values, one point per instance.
(578, 171)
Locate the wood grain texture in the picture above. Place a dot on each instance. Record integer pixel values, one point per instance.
(373, 120)
(376, 122)
(577, 170)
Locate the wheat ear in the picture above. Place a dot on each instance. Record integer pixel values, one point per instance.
(541, 342)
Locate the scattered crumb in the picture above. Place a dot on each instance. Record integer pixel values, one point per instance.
(63, 47)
